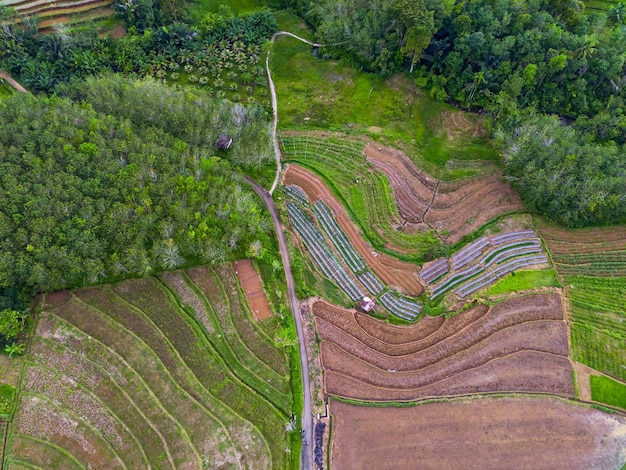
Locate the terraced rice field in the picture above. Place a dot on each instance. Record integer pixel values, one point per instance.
(513, 432)
(161, 373)
(598, 311)
(366, 193)
(61, 12)
(593, 264)
(589, 252)
(391, 271)
(516, 345)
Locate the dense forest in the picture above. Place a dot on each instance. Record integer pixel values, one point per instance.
(119, 178)
(518, 61)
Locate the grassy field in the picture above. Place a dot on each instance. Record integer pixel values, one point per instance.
(366, 194)
(524, 280)
(166, 372)
(598, 326)
(323, 94)
(607, 390)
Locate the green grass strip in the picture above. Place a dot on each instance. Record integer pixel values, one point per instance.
(608, 391)
(524, 280)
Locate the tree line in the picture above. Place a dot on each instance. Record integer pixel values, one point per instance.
(520, 62)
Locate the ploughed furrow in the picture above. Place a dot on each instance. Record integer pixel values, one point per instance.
(540, 373)
(381, 371)
(392, 334)
(547, 339)
(468, 341)
(453, 210)
(345, 320)
(175, 385)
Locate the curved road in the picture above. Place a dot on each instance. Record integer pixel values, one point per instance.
(306, 458)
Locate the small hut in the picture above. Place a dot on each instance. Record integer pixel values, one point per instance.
(224, 141)
(367, 304)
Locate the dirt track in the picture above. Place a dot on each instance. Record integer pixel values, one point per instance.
(485, 433)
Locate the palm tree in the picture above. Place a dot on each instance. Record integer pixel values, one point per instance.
(15, 349)
(616, 15)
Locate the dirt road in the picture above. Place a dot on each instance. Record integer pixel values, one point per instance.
(306, 458)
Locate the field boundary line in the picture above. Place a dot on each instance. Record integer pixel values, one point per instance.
(25, 464)
(236, 331)
(71, 414)
(84, 388)
(207, 303)
(203, 337)
(157, 358)
(54, 446)
(115, 383)
(395, 344)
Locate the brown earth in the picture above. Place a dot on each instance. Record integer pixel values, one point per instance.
(517, 345)
(481, 433)
(56, 298)
(253, 288)
(453, 209)
(392, 272)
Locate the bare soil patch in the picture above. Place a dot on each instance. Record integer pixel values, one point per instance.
(393, 272)
(457, 124)
(253, 288)
(479, 433)
(56, 298)
(453, 209)
(583, 241)
(517, 345)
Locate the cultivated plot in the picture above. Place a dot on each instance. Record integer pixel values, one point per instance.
(516, 345)
(523, 432)
(166, 373)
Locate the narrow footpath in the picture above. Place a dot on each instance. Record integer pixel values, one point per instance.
(11, 81)
(306, 458)
(275, 101)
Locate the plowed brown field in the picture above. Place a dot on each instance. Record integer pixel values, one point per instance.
(452, 209)
(486, 433)
(516, 345)
(251, 285)
(392, 272)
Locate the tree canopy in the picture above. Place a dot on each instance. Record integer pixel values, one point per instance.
(123, 182)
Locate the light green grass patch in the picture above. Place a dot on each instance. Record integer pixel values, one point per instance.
(324, 94)
(7, 399)
(524, 280)
(6, 90)
(608, 391)
(198, 8)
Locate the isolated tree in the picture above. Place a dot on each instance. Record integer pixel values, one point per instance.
(420, 27)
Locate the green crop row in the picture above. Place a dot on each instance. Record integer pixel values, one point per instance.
(216, 376)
